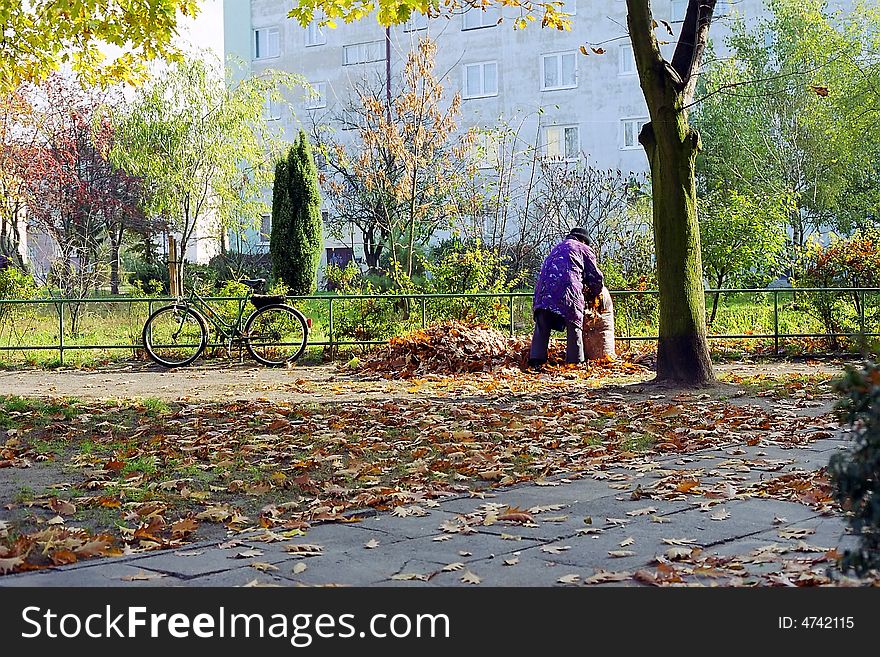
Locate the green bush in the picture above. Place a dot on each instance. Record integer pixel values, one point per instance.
(855, 474)
(233, 266)
(467, 268)
(143, 274)
(361, 319)
(15, 318)
(845, 262)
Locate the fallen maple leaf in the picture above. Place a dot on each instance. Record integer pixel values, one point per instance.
(603, 576)
(410, 576)
(795, 532)
(262, 566)
(305, 549)
(9, 564)
(617, 554)
(720, 514)
(471, 578)
(569, 579)
(142, 576)
(247, 554)
(642, 512)
(371, 544)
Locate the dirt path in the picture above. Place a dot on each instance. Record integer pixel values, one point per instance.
(323, 383)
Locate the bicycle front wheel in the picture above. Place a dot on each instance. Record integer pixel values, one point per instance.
(276, 334)
(175, 336)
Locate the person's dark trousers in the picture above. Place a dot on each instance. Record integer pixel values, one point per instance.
(545, 322)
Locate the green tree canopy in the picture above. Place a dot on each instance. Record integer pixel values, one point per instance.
(202, 146)
(38, 36)
(791, 113)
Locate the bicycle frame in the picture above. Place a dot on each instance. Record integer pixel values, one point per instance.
(228, 331)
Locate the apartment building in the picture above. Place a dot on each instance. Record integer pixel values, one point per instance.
(569, 102)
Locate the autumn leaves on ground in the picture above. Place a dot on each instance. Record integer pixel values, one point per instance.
(88, 477)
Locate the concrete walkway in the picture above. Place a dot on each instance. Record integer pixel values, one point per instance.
(580, 527)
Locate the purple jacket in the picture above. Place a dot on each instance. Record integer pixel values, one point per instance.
(570, 266)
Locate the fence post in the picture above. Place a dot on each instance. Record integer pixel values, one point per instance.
(510, 310)
(864, 339)
(424, 312)
(330, 327)
(61, 332)
(776, 322)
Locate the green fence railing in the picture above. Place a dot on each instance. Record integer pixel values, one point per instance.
(108, 324)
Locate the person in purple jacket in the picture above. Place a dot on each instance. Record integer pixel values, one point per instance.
(568, 274)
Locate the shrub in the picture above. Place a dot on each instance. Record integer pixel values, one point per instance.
(466, 268)
(15, 318)
(234, 266)
(855, 475)
(364, 319)
(844, 262)
(147, 275)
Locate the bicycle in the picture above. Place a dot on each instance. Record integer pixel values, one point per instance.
(274, 334)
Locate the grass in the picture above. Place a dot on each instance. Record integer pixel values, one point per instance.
(785, 386)
(18, 411)
(155, 406)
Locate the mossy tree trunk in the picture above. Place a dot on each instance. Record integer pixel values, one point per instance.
(672, 146)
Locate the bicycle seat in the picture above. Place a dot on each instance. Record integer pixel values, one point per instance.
(254, 283)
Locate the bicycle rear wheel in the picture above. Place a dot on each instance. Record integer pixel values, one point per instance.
(175, 336)
(276, 334)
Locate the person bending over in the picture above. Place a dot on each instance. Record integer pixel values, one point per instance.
(568, 273)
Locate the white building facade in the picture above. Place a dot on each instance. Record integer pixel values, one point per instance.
(569, 103)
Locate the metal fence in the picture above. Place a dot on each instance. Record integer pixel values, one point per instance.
(107, 324)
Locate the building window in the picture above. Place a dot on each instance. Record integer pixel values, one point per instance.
(319, 97)
(630, 129)
(416, 22)
(361, 53)
(475, 18)
(340, 257)
(559, 71)
(267, 43)
(315, 35)
(484, 150)
(352, 119)
(562, 142)
(265, 228)
(678, 10)
(626, 60)
(271, 107)
(480, 80)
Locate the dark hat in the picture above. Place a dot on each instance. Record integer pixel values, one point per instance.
(580, 234)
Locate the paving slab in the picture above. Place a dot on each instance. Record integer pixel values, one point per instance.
(195, 562)
(105, 572)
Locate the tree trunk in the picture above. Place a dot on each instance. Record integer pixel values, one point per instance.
(682, 349)
(114, 264)
(672, 147)
(719, 281)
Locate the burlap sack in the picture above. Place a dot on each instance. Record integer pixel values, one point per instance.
(599, 331)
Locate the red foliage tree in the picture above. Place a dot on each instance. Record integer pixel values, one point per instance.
(75, 193)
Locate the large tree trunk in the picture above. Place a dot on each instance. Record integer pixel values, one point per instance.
(672, 146)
